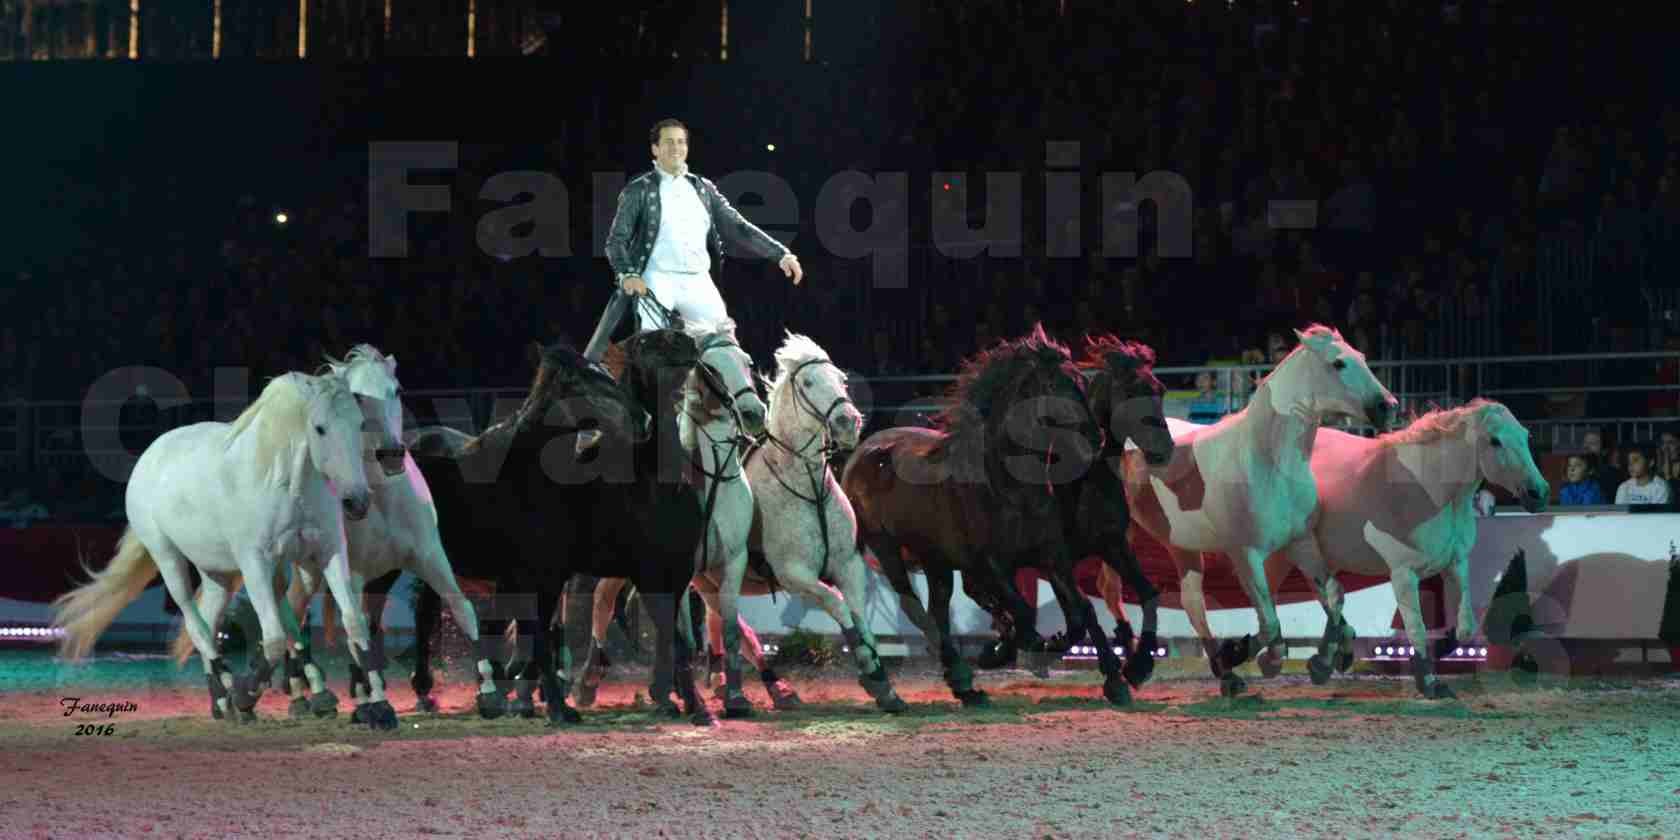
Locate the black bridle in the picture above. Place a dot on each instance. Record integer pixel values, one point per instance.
(821, 484)
(722, 449)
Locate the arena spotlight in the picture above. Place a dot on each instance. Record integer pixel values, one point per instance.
(281, 218)
(770, 147)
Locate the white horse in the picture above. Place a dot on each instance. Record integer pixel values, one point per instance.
(399, 533)
(1243, 486)
(269, 490)
(803, 525)
(719, 403)
(1402, 505)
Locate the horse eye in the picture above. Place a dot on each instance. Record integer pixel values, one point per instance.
(1496, 443)
(1339, 364)
(320, 430)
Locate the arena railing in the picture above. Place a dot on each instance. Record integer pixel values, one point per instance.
(54, 433)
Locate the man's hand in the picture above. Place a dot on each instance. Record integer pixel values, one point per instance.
(633, 284)
(790, 266)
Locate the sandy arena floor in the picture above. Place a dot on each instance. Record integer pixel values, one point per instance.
(1358, 758)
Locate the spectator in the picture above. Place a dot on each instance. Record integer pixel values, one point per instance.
(1581, 487)
(1610, 476)
(1641, 486)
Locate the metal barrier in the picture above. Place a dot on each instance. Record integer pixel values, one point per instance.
(42, 434)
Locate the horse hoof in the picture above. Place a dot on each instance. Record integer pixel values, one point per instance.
(702, 717)
(1117, 691)
(783, 697)
(1440, 691)
(1270, 665)
(323, 705)
(585, 694)
(523, 707)
(248, 715)
(737, 707)
(559, 713)
(380, 716)
(424, 704)
(298, 709)
(973, 697)
(491, 706)
(1232, 685)
(1344, 661)
(358, 715)
(671, 710)
(215, 711)
(1319, 669)
(1139, 668)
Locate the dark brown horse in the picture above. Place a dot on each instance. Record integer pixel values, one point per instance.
(978, 494)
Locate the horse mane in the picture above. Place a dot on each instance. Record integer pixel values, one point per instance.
(285, 406)
(702, 332)
(554, 357)
(1109, 351)
(363, 352)
(989, 378)
(796, 350)
(1440, 423)
(1314, 333)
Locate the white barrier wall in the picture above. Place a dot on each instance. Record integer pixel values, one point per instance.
(1592, 575)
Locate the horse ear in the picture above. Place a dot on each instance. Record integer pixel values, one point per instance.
(1300, 336)
(391, 363)
(533, 352)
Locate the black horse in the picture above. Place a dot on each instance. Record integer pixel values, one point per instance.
(983, 494)
(571, 483)
(1125, 398)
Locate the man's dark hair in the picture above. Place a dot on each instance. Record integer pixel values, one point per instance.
(653, 136)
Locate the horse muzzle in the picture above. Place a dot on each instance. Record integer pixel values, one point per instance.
(1534, 500)
(1381, 412)
(392, 461)
(356, 506)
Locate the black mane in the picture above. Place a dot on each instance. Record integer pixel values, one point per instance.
(990, 379)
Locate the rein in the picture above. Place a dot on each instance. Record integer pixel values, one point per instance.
(722, 448)
(821, 490)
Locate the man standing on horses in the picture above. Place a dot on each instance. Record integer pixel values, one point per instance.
(659, 247)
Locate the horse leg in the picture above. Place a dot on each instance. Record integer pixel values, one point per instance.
(1405, 582)
(426, 614)
(376, 709)
(1304, 554)
(1457, 576)
(673, 661)
(172, 565)
(303, 671)
(346, 589)
(259, 585)
(887, 554)
(1037, 653)
(1140, 658)
(214, 593)
(595, 662)
(1251, 571)
(941, 581)
(1082, 623)
(1223, 659)
(554, 660)
(846, 608)
(735, 703)
(431, 564)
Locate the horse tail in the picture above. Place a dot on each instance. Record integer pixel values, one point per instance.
(85, 612)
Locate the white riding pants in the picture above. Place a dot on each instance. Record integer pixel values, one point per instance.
(691, 295)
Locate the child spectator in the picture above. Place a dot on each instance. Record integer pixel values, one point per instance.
(1641, 488)
(1581, 487)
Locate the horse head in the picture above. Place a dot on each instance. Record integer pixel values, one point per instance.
(332, 423)
(372, 377)
(809, 401)
(1324, 375)
(724, 375)
(1027, 392)
(1126, 396)
(570, 395)
(1503, 455)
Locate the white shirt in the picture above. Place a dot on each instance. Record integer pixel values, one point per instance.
(680, 245)
(1653, 493)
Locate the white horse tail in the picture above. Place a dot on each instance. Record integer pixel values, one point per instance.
(83, 613)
